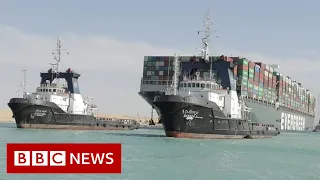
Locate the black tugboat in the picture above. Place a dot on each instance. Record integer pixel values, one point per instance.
(198, 106)
(61, 107)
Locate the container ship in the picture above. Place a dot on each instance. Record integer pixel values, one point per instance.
(58, 106)
(272, 97)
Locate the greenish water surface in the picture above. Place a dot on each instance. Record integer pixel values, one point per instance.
(149, 155)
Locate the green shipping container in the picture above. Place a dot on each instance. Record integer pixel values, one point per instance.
(275, 73)
(250, 76)
(260, 89)
(243, 61)
(250, 85)
(243, 73)
(251, 73)
(243, 82)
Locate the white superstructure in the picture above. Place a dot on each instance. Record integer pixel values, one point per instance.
(207, 87)
(67, 97)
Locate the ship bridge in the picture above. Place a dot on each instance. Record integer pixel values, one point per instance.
(70, 76)
(221, 69)
(198, 85)
(51, 89)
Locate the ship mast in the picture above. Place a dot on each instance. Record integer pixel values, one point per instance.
(206, 39)
(176, 70)
(24, 85)
(57, 57)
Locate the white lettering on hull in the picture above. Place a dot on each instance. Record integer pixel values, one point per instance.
(190, 115)
(40, 112)
(292, 122)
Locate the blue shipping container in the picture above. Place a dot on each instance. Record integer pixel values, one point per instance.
(161, 58)
(265, 90)
(257, 69)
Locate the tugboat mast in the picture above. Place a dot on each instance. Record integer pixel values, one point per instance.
(206, 39)
(24, 85)
(57, 57)
(176, 70)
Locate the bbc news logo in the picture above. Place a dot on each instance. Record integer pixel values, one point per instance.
(64, 158)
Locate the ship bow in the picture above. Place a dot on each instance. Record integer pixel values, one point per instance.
(182, 118)
(17, 106)
(26, 112)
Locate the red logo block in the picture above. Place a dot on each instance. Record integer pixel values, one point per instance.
(64, 158)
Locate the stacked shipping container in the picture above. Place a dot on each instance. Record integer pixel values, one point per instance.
(259, 81)
(157, 68)
(243, 85)
(254, 79)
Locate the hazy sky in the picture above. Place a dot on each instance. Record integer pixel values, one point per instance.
(108, 39)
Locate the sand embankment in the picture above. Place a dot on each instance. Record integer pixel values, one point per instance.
(6, 115)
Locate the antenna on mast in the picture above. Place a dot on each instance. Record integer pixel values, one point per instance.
(57, 56)
(24, 86)
(206, 39)
(176, 70)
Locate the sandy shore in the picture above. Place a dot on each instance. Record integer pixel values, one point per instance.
(6, 116)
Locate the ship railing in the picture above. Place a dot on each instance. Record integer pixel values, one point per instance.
(202, 90)
(122, 121)
(156, 81)
(227, 118)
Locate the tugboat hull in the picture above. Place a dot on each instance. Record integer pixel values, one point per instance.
(190, 117)
(37, 114)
